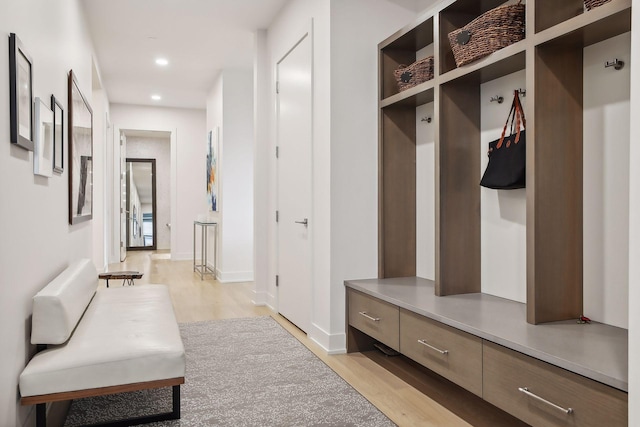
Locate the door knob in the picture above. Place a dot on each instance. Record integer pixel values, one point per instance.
(305, 222)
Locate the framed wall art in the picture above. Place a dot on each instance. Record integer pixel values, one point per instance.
(20, 94)
(43, 139)
(212, 169)
(58, 135)
(80, 134)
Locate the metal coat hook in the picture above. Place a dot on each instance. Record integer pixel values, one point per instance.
(616, 63)
(522, 92)
(499, 99)
(426, 119)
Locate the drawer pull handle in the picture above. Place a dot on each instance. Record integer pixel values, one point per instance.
(423, 342)
(364, 313)
(526, 391)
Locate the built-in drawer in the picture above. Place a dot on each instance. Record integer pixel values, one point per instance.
(374, 317)
(544, 395)
(454, 354)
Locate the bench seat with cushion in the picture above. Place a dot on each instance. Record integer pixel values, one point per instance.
(127, 339)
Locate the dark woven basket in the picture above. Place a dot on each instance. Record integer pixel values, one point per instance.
(414, 74)
(491, 31)
(590, 4)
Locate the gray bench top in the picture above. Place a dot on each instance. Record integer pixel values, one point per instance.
(594, 350)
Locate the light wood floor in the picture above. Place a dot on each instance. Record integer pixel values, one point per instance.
(197, 300)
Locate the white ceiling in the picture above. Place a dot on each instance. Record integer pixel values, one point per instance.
(198, 37)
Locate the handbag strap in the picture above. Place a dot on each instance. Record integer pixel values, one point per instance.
(515, 114)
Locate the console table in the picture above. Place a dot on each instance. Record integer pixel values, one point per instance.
(203, 268)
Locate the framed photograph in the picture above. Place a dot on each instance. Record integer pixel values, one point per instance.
(20, 94)
(43, 139)
(58, 135)
(80, 134)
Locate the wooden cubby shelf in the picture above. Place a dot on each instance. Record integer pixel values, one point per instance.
(604, 22)
(499, 64)
(418, 95)
(552, 55)
(486, 343)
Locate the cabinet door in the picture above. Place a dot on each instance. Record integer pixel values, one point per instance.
(544, 395)
(451, 353)
(376, 318)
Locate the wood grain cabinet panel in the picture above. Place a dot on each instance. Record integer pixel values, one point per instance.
(376, 318)
(447, 351)
(508, 373)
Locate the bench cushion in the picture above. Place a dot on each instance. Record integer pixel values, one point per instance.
(59, 306)
(127, 335)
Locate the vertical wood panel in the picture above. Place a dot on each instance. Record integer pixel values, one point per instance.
(554, 281)
(458, 228)
(398, 192)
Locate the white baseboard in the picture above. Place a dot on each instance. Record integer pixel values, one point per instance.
(331, 343)
(259, 299)
(184, 256)
(272, 302)
(233, 276)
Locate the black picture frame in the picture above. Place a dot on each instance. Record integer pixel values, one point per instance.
(20, 97)
(80, 148)
(58, 135)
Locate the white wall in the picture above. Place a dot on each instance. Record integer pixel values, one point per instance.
(100, 106)
(261, 132)
(159, 148)
(37, 241)
(230, 107)
(188, 139)
(634, 228)
(503, 213)
(606, 182)
(357, 26)
(344, 152)
(425, 193)
(425, 185)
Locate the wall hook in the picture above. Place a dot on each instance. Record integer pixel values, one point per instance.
(426, 119)
(522, 92)
(616, 63)
(499, 99)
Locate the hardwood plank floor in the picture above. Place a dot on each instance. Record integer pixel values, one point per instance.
(402, 400)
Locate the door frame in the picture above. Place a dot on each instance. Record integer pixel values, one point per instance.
(305, 32)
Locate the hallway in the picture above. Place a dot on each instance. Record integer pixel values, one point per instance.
(401, 400)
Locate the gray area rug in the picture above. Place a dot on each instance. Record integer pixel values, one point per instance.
(243, 372)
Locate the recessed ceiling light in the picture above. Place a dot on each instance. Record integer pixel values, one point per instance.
(156, 97)
(162, 62)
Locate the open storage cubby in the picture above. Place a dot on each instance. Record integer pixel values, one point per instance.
(552, 55)
(456, 15)
(401, 49)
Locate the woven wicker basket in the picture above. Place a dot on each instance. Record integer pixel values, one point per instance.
(414, 74)
(489, 32)
(590, 4)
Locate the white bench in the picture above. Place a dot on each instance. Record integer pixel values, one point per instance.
(101, 342)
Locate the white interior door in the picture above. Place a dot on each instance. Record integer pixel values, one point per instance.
(123, 197)
(294, 184)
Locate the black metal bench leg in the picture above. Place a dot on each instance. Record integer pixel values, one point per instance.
(176, 402)
(41, 415)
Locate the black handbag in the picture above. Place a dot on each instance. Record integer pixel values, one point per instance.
(508, 155)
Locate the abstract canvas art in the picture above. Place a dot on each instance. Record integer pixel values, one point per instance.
(212, 169)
